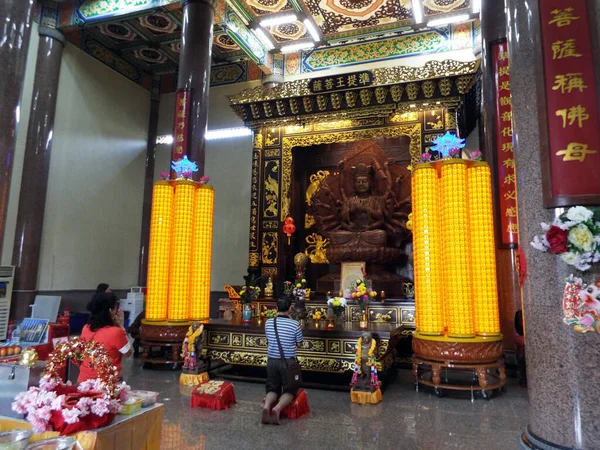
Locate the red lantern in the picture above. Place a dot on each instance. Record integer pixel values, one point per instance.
(289, 228)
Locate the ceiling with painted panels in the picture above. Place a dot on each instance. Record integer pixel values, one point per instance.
(343, 19)
(142, 38)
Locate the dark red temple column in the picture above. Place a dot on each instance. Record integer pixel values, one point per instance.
(149, 181)
(194, 77)
(16, 18)
(493, 33)
(36, 167)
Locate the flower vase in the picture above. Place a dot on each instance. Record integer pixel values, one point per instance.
(247, 313)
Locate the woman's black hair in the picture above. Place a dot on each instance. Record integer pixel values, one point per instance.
(99, 308)
(102, 287)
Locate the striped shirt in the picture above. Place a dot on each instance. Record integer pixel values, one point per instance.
(290, 336)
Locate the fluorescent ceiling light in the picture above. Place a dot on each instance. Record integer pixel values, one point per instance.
(448, 20)
(262, 37)
(224, 133)
(295, 47)
(164, 139)
(476, 6)
(278, 20)
(417, 11)
(312, 29)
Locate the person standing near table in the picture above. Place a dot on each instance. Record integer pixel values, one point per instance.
(279, 392)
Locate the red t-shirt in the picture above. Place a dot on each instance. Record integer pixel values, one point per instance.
(114, 340)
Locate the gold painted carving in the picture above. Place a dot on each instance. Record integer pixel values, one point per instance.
(336, 100)
(231, 292)
(351, 98)
(271, 141)
(253, 259)
(396, 92)
(270, 247)
(269, 272)
(308, 104)
(294, 107)
(381, 94)
(445, 85)
(315, 248)
(272, 153)
(322, 102)
(270, 225)
(268, 109)
(412, 90)
(365, 96)
(450, 117)
(280, 107)
(309, 221)
(315, 183)
(412, 116)
(413, 131)
(258, 140)
(428, 88)
(255, 111)
(382, 76)
(464, 83)
(271, 189)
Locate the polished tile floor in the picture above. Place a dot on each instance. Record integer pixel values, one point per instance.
(404, 420)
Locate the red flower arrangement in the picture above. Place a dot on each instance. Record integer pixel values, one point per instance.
(557, 239)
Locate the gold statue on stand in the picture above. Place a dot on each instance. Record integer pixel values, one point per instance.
(269, 288)
(365, 381)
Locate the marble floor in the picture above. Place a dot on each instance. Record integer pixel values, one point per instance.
(404, 420)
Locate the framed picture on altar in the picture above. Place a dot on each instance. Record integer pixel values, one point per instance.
(351, 271)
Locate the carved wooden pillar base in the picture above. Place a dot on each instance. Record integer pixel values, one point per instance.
(166, 336)
(437, 358)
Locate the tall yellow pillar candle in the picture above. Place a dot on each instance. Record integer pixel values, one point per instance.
(204, 201)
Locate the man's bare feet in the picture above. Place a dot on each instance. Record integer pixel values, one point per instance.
(275, 417)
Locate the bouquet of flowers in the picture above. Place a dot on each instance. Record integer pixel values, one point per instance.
(574, 235)
(288, 287)
(251, 290)
(361, 291)
(337, 305)
(299, 289)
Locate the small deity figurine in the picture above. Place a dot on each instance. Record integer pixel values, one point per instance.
(192, 349)
(365, 365)
(269, 288)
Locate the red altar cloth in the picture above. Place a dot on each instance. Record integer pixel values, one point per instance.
(213, 395)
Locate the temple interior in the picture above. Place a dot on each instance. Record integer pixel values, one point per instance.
(416, 177)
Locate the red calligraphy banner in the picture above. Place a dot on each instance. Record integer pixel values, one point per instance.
(507, 183)
(571, 93)
(180, 128)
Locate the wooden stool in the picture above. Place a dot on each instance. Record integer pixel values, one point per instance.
(213, 395)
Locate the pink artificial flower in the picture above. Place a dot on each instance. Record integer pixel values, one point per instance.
(47, 383)
(365, 297)
(204, 179)
(114, 406)
(426, 157)
(454, 152)
(85, 404)
(476, 155)
(100, 407)
(71, 415)
(165, 175)
(58, 403)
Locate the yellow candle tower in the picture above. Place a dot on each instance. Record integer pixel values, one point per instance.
(202, 251)
(454, 250)
(427, 251)
(159, 248)
(180, 252)
(483, 250)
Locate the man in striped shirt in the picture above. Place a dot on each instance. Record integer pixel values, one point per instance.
(290, 335)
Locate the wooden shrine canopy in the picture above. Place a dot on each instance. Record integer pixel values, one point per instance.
(372, 93)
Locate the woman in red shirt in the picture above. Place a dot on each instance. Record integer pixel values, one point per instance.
(105, 327)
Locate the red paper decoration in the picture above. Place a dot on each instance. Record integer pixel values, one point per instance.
(289, 228)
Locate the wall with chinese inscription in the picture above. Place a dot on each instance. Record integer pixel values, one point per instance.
(98, 156)
(228, 164)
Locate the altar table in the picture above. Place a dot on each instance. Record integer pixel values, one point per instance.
(139, 431)
(323, 349)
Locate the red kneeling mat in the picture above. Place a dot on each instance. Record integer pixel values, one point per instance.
(213, 395)
(298, 408)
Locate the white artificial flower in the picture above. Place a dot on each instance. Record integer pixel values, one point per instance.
(570, 258)
(579, 214)
(545, 226)
(538, 244)
(582, 237)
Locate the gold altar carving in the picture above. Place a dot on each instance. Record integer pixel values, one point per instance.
(271, 189)
(231, 292)
(309, 221)
(253, 259)
(272, 153)
(315, 249)
(270, 247)
(382, 76)
(269, 272)
(450, 120)
(258, 140)
(413, 131)
(315, 184)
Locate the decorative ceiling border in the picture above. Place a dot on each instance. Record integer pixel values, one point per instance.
(381, 77)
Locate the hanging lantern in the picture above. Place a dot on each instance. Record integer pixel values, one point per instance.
(289, 228)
